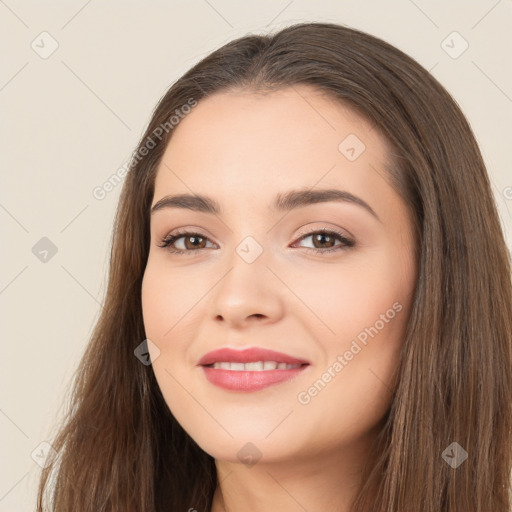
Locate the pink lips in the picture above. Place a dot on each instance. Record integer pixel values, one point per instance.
(243, 380)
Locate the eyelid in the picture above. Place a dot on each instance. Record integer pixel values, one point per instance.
(327, 229)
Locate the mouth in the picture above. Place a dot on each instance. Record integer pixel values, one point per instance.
(250, 369)
(255, 366)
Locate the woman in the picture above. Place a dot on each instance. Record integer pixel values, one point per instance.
(309, 302)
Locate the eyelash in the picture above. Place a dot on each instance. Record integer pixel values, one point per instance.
(167, 241)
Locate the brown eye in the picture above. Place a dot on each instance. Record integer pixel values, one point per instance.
(188, 242)
(198, 242)
(325, 241)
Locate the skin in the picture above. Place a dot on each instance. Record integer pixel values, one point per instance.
(242, 148)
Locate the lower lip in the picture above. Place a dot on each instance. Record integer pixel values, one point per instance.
(249, 381)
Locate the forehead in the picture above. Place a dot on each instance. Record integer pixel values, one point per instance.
(252, 143)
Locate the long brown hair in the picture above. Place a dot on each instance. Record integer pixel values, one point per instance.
(121, 448)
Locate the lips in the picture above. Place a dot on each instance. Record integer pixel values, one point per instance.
(250, 369)
(249, 355)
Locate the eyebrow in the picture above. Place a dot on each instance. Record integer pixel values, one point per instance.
(283, 201)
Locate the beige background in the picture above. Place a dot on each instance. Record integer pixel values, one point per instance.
(71, 119)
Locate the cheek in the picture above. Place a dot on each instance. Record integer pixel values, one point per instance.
(368, 308)
(155, 305)
(173, 299)
(169, 294)
(163, 311)
(167, 309)
(351, 296)
(365, 304)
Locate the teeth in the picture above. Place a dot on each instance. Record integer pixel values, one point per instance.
(254, 367)
(257, 366)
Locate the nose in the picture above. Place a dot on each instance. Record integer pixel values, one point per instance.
(248, 294)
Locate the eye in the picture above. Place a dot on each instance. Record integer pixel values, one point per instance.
(192, 242)
(324, 240)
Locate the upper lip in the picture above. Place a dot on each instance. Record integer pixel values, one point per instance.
(248, 355)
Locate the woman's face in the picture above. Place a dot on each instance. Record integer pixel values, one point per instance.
(258, 273)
